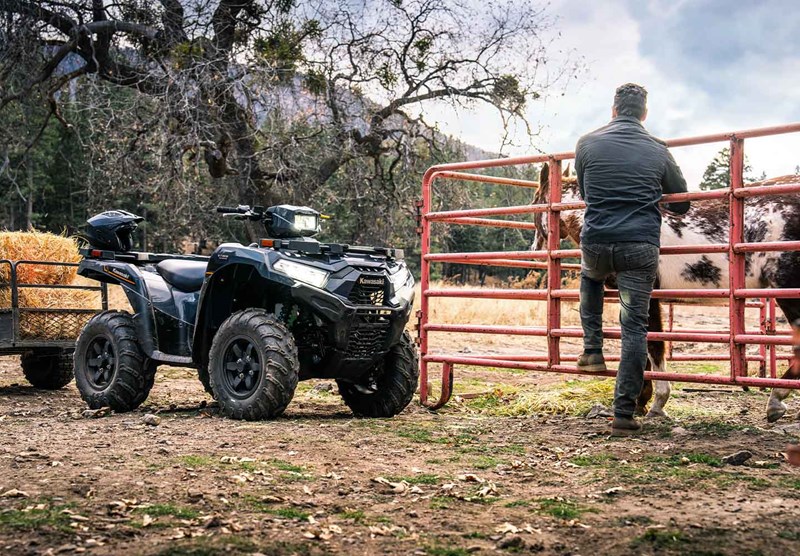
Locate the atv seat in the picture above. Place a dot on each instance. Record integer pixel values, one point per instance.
(186, 276)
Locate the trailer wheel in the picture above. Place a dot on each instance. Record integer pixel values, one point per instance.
(253, 366)
(393, 383)
(47, 370)
(110, 368)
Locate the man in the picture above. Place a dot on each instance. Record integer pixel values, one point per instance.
(622, 173)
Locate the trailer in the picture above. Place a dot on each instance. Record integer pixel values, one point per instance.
(43, 337)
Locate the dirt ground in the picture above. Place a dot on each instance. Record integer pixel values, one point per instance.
(317, 481)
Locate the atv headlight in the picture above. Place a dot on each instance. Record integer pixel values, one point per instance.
(302, 272)
(306, 222)
(400, 278)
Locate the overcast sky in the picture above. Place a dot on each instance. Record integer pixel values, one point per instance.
(709, 66)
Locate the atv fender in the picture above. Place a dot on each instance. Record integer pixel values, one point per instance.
(164, 317)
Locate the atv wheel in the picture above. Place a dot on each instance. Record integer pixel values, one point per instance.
(110, 368)
(253, 366)
(48, 371)
(394, 380)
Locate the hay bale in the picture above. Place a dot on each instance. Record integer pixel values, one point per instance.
(40, 246)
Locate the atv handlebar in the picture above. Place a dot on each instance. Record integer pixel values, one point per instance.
(241, 209)
(244, 212)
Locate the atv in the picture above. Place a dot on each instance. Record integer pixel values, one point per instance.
(253, 320)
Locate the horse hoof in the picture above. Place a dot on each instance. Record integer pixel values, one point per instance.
(657, 414)
(641, 411)
(775, 413)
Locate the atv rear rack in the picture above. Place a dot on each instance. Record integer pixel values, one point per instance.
(137, 257)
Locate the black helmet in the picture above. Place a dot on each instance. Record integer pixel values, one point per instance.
(111, 230)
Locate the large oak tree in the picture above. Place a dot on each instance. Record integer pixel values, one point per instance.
(195, 83)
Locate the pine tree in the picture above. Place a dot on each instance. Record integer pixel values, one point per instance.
(718, 173)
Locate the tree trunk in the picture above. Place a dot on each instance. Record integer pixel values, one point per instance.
(29, 204)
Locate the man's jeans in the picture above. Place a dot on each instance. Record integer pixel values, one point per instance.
(634, 265)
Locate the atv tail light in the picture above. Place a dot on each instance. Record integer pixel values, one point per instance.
(95, 252)
(302, 272)
(268, 243)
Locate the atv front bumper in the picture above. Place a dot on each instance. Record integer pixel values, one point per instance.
(358, 336)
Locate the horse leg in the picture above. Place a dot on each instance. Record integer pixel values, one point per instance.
(644, 397)
(657, 356)
(775, 406)
(647, 386)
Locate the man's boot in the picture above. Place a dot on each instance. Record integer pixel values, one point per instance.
(592, 363)
(625, 426)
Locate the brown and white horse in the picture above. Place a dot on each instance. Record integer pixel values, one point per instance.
(772, 218)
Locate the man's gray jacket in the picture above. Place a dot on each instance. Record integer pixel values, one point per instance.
(622, 173)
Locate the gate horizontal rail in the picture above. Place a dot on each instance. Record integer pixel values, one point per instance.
(737, 297)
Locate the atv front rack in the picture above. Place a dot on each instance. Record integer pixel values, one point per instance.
(317, 248)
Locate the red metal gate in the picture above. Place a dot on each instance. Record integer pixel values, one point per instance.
(551, 260)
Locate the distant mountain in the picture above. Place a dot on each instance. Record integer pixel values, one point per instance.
(293, 100)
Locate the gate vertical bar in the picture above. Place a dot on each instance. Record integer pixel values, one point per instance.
(773, 354)
(553, 265)
(736, 261)
(425, 268)
(671, 322)
(763, 321)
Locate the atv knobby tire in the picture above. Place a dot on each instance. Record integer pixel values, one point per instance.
(110, 368)
(205, 379)
(47, 370)
(396, 380)
(253, 366)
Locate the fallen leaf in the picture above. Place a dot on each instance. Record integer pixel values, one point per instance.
(386, 530)
(14, 493)
(488, 490)
(507, 528)
(529, 529)
(398, 488)
(74, 516)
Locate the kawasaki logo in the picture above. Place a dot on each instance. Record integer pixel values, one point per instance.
(117, 273)
(370, 281)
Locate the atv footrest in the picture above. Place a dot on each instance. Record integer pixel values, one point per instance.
(175, 359)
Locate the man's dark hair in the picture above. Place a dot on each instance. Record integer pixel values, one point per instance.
(630, 100)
